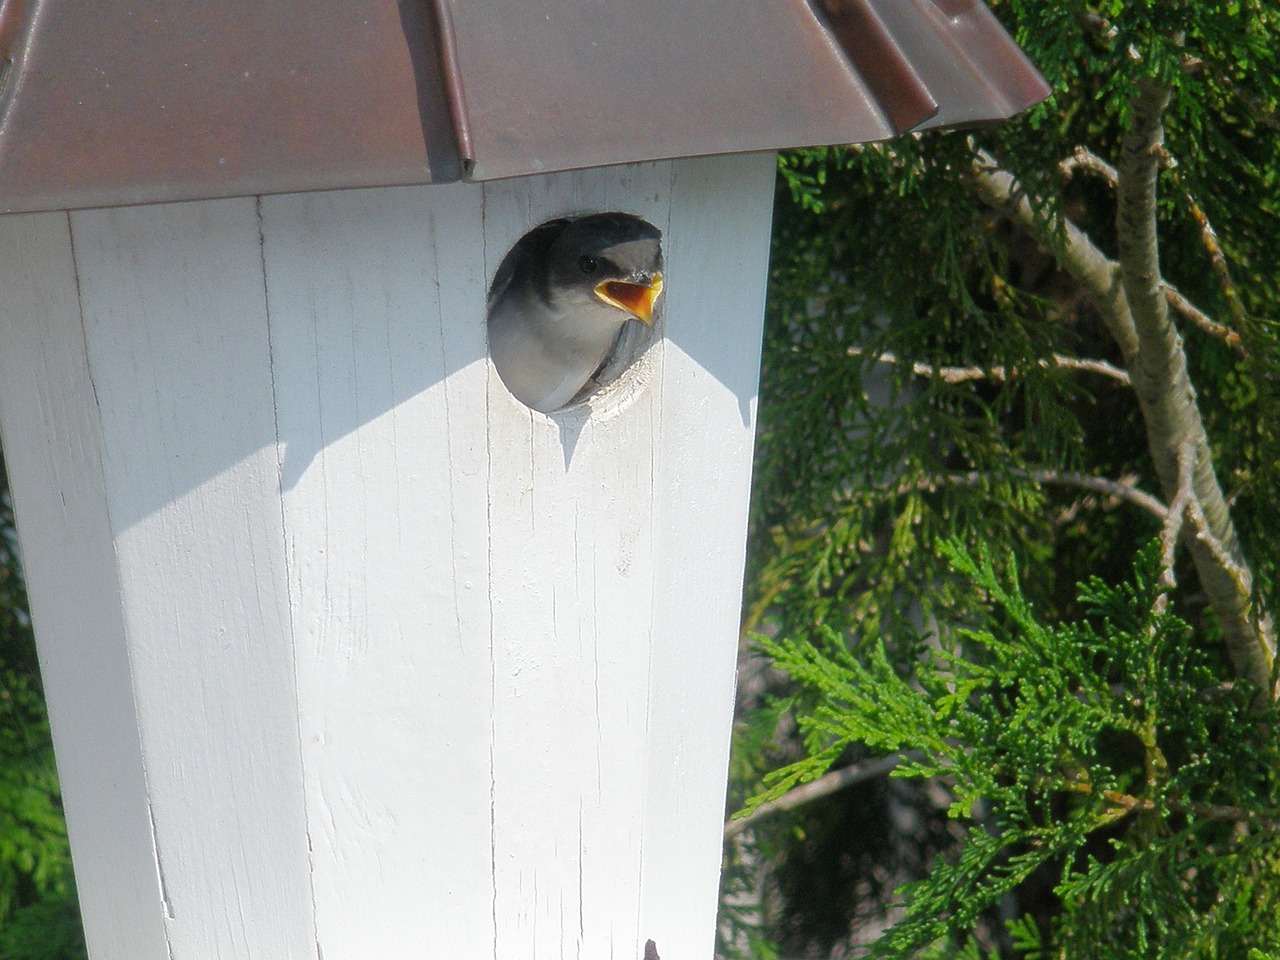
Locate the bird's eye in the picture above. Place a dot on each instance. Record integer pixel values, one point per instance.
(588, 265)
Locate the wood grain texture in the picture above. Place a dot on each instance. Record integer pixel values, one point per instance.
(719, 250)
(416, 670)
(53, 451)
(385, 515)
(572, 567)
(176, 330)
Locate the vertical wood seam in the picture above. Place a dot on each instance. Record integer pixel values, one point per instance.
(287, 562)
(156, 858)
(493, 664)
(655, 453)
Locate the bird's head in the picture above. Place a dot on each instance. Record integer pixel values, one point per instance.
(612, 259)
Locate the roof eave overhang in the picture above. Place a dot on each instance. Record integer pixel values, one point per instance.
(156, 100)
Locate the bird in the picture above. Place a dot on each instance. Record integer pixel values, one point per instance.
(561, 297)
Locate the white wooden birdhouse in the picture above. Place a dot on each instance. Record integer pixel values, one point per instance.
(349, 653)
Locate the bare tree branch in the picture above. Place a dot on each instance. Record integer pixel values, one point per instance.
(1131, 298)
(825, 785)
(1158, 367)
(1085, 160)
(999, 373)
(1202, 319)
(1171, 529)
(1098, 275)
(1209, 240)
(1123, 489)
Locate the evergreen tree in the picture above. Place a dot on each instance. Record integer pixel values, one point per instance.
(1052, 342)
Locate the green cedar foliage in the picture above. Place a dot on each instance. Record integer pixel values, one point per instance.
(882, 251)
(38, 915)
(1106, 750)
(914, 392)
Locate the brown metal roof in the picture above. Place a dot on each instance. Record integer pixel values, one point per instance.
(145, 100)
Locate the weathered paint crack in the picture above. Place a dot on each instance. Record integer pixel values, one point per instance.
(493, 664)
(75, 275)
(595, 654)
(582, 918)
(161, 881)
(287, 560)
(458, 582)
(164, 885)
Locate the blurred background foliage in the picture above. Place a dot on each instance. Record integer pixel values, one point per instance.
(38, 915)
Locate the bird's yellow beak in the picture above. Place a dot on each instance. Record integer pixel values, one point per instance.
(635, 298)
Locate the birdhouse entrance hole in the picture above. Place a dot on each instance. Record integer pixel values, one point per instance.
(572, 307)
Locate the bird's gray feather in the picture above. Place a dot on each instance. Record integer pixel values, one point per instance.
(548, 330)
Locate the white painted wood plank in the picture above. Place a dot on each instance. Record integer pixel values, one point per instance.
(571, 577)
(577, 575)
(53, 447)
(375, 298)
(718, 258)
(513, 634)
(175, 324)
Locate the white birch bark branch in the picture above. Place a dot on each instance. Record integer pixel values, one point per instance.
(1132, 300)
(1158, 369)
(1083, 159)
(823, 786)
(999, 373)
(1124, 489)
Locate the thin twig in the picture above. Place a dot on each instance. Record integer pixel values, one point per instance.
(824, 786)
(1173, 525)
(1239, 574)
(1124, 803)
(1209, 240)
(1123, 489)
(1171, 529)
(1127, 802)
(999, 373)
(1269, 818)
(1083, 159)
(1202, 319)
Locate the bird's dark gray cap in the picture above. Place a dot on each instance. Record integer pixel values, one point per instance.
(559, 243)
